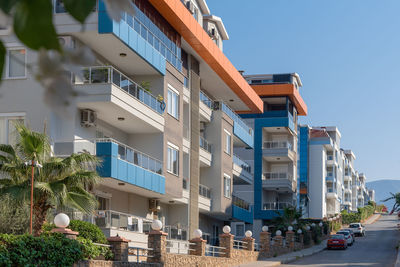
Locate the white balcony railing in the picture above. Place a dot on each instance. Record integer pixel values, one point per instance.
(276, 205)
(238, 161)
(204, 144)
(277, 145)
(204, 191)
(277, 175)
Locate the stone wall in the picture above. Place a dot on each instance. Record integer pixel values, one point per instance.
(98, 263)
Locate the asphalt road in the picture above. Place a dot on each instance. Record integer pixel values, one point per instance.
(377, 248)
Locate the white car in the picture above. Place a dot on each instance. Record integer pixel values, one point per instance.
(357, 228)
(347, 235)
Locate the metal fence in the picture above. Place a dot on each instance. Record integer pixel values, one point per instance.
(178, 247)
(214, 251)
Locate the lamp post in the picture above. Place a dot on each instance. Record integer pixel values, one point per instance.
(33, 164)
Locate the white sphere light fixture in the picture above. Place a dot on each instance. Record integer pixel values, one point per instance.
(61, 220)
(264, 228)
(226, 229)
(278, 233)
(156, 225)
(313, 224)
(308, 228)
(330, 219)
(299, 231)
(290, 228)
(248, 233)
(320, 224)
(197, 233)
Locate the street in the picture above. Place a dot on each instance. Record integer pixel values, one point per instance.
(377, 248)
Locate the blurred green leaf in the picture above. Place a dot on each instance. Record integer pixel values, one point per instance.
(33, 24)
(2, 58)
(7, 5)
(79, 9)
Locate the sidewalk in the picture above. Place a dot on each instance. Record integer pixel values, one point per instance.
(373, 218)
(286, 258)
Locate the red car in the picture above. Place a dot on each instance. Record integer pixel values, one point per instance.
(337, 241)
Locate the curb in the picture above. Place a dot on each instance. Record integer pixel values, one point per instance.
(294, 258)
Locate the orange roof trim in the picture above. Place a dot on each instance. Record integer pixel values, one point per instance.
(184, 23)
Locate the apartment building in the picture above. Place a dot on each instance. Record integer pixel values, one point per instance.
(159, 107)
(274, 156)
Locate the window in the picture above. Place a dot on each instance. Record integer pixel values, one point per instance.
(239, 229)
(16, 63)
(227, 147)
(227, 186)
(8, 133)
(173, 102)
(173, 159)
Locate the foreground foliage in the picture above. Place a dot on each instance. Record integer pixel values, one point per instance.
(360, 215)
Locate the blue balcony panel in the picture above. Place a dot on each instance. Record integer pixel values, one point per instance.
(243, 135)
(242, 214)
(125, 171)
(268, 214)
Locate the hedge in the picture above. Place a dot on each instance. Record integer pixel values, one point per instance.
(360, 215)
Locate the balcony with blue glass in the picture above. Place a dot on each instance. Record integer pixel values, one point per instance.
(241, 170)
(206, 107)
(331, 192)
(242, 210)
(271, 210)
(143, 173)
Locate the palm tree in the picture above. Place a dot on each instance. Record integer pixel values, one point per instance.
(288, 217)
(59, 183)
(396, 205)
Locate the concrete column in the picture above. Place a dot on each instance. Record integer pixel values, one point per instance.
(309, 234)
(249, 245)
(68, 233)
(198, 247)
(265, 241)
(301, 239)
(278, 241)
(119, 247)
(226, 241)
(157, 241)
(290, 239)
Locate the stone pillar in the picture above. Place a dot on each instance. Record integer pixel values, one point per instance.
(290, 239)
(309, 235)
(119, 247)
(157, 241)
(68, 233)
(226, 241)
(249, 245)
(198, 247)
(265, 242)
(278, 241)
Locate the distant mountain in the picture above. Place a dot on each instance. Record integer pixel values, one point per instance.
(382, 190)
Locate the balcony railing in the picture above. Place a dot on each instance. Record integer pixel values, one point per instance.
(241, 203)
(204, 144)
(329, 157)
(110, 75)
(235, 117)
(238, 161)
(176, 233)
(204, 191)
(206, 100)
(331, 190)
(135, 157)
(277, 175)
(278, 145)
(276, 205)
(185, 183)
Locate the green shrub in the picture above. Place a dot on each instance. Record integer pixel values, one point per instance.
(46, 250)
(306, 239)
(316, 234)
(89, 231)
(91, 251)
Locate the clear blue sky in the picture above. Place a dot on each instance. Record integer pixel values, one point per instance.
(347, 53)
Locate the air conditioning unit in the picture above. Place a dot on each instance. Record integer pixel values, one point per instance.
(88, 118)
(66, 41)
(190, 6)
(154, 205)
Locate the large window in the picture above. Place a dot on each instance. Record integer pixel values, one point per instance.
(16, 63)
(239, 229)
(173, 103)
(227, 186)
(173, 159)
(227, 146)
(8, 133)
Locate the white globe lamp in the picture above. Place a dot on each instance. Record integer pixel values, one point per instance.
(156, 225)
(226, 229)
(278, 233)
(313, 224)
(61, 220)
(308, 228)
(290, 228)
(264, 228)
(299, 231)
(197, 233)
(330, 219)
(320, 224)
(248, 234)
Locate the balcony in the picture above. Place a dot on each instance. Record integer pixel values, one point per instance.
(331, 193)
(278, 151)
(205, 153)
(244, 134)
(241, 210)
(241, 171)
(347, 177)
(277, 206)
(206, 107)
(204, 198)
(131, 166)
(330, 160)
(112, 94)
(279, 181)
(330, 177)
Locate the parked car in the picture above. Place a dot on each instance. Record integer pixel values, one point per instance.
(351, 232)
(337, 241)
(347, 235)
(358, 229)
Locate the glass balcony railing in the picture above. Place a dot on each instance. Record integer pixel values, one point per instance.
(238, 161)
(206, 100)
(241, 203)
(277, 175)
(135, 157)
(276, 205)
(277, 145)
(204, 144)
(235, 117)
(331, 190)
(204, 191)
(329, 157)
(108, 74)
